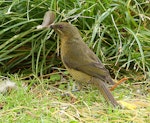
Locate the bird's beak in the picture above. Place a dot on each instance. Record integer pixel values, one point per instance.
(53, 26)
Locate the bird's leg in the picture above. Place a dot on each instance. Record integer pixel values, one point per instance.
(77, 86)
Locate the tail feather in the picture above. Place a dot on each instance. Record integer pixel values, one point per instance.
(105, 92)
(109, 80)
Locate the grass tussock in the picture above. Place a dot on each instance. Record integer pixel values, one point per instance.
(117, 31)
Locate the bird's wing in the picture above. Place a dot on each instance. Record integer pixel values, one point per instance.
(92, 69)
(85, 61)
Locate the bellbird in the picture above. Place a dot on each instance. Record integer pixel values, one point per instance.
(80, 60)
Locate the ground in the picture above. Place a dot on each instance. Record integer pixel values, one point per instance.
(51, 100)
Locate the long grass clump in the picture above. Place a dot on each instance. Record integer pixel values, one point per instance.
(117, 31)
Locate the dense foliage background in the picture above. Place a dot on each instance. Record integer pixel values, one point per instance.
(118, 32)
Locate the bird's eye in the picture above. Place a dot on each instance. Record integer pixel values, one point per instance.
(60, 26)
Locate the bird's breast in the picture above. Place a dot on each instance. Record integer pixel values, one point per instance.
(67, 51)
(79, 76)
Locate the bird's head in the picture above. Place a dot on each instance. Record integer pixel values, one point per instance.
(64, 29)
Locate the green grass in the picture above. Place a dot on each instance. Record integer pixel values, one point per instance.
(117, 31)
(47, 101)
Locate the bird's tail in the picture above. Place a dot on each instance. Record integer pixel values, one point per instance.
(109, 80)
(105, 91)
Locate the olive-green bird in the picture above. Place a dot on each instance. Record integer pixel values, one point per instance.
(81, 62)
